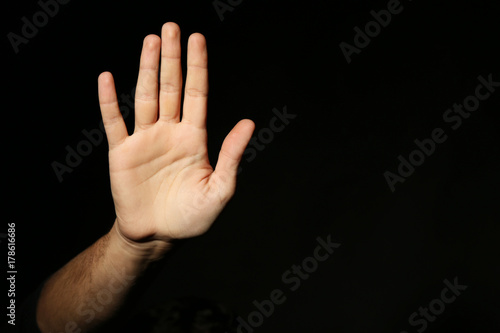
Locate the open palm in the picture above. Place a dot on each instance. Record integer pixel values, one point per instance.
(162, 182)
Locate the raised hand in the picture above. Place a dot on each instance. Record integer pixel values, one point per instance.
(162, 182)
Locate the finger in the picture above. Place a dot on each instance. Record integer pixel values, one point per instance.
(146, 95)
(115, 128)
(170, 73)
(231, 152)
(196, 90)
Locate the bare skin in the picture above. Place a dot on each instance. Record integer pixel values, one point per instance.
(162, 183)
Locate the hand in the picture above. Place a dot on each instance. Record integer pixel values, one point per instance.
(162, 183)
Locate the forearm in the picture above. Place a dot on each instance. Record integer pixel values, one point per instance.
(90, 288)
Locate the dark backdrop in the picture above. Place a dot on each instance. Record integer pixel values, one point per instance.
(322, 175)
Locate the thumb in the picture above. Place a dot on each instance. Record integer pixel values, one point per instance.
(231, 152)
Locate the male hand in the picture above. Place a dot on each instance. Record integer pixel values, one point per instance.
(162, 182)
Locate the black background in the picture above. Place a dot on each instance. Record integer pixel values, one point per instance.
(322, 175)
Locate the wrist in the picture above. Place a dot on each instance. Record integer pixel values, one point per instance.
(145, 251)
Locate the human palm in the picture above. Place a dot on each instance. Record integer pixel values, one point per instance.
(162, 182)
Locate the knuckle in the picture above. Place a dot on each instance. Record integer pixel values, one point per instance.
(196, 92)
